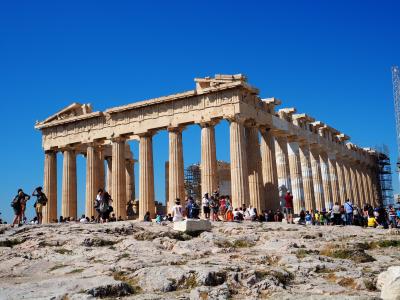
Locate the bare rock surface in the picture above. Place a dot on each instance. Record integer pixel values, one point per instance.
(136, 260)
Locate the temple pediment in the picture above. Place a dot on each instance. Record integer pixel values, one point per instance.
(69, 112)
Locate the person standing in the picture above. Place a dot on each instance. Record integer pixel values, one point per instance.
(289, 208)
(41, 201)
(177, 211)
(205, 202)
(348, 207)
(17, 206)
(336, 213)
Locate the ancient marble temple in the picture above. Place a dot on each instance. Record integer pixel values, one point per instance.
(270, 149)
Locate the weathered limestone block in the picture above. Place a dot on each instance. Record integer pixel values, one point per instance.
(389, 283)
(192, 225)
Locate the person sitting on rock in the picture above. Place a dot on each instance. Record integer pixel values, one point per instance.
(302, 219)
(147, 217)
(83, 219)
(170, 218)
(113, 218)
(372, 221)
(270, 216)
(238, 215)
(262, 217)
(278, 216)
(253, 214)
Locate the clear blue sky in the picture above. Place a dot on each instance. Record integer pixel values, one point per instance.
(330, 59)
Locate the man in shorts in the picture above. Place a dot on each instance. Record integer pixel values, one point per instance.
(41, 201)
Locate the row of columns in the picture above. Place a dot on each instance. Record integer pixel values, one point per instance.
(258, 167)
(119, 170)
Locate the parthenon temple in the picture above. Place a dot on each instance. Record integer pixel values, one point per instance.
(270, 149)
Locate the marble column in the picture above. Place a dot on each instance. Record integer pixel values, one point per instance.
(50, 186)
(317, 179)
(176, 187)
(364, 184)
(254, 168)
(341, 180)
(92, 180)
(130, 180)
(282, 162)
(118, 188)
(374, 187)
(146, 177)
(100, 168)
(369, 186)
(69, 193)
(209, 174)
(354, 185)
(357, 174)
(270, 176)
(333, 178)
(348, 182)
(306, 170)
(239, 170)
(109, 174)
(296, 176)
(326, 183)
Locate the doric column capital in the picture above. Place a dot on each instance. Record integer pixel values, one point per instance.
(208, 123)
(68, 148)
(148, 133)
(118, 139)
(236, 118)
(51, 151)
(177, 129)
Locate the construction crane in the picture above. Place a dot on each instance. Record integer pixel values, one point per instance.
(396, 96)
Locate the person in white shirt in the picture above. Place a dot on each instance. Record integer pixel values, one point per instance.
(83, 219)
(177, 211)
(205, 202)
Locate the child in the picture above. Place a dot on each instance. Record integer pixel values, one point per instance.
(158, 219)
(317, 217)
(372, 221)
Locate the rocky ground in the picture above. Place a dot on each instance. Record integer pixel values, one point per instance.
(136, 260)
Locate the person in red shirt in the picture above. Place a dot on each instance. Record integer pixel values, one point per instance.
(289, 208)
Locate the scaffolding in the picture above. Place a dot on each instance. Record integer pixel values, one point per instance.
(193, 181)
(396, 97)
(385, 175)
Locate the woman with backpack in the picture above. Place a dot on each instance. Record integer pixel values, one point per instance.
(16, 204)
(104, 206)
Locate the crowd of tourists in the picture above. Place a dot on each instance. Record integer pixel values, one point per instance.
(219, 208)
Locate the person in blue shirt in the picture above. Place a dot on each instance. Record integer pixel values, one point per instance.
(348, 207)
(308, 218)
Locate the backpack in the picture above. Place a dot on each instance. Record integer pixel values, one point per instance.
(42, 199)
(15, 203)
(104, 207)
